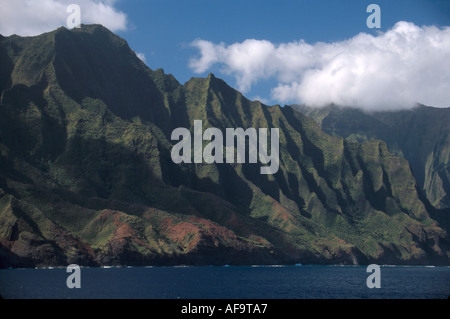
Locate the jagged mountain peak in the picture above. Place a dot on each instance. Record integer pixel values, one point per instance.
(420, 134)
(86, 173)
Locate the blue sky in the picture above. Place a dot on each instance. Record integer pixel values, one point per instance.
(163, 29)
(270, 49)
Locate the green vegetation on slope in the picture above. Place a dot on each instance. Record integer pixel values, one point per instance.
(420, 135)
(86, 174)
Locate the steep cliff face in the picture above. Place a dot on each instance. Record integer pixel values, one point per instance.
(86, 174)
(420, 135)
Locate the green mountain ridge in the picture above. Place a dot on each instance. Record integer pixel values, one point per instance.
(421, 135)
(86, 174)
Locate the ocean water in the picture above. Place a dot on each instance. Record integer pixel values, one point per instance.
(234, 282)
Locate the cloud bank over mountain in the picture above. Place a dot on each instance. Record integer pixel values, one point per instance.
(396, 69)
(28, 18)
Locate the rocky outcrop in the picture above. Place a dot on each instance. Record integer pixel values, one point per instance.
(86, 174)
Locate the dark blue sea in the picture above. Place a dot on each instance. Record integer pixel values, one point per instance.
(246, 282)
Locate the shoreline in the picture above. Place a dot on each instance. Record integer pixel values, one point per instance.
(223, 266)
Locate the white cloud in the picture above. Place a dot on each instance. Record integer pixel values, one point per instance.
(141, 56)
(32, 17)
(260, 99)
(396, 69)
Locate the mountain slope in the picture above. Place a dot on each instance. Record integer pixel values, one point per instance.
(421, 135)
(86, 174)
